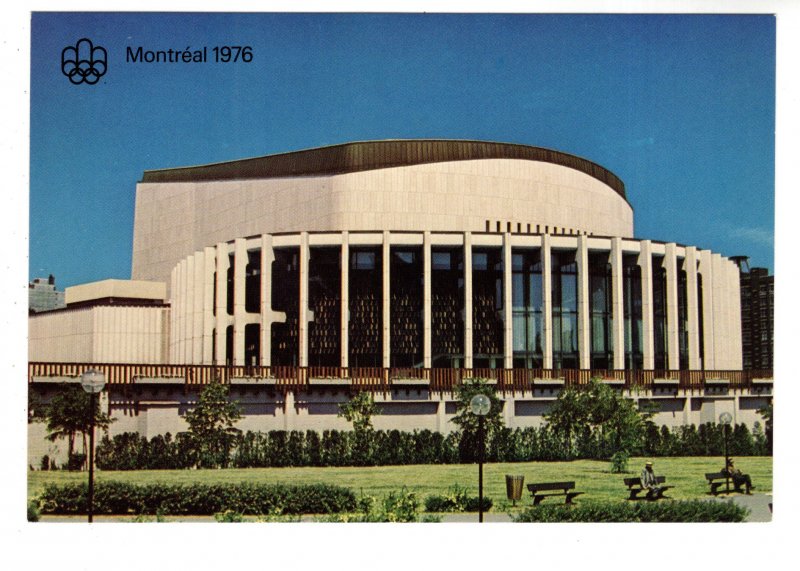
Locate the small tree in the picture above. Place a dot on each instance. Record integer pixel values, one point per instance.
(568, 415)
(211, 425)
(617, 420)
(468, 422)
(69, 414)
(766, 414)
(359, 411)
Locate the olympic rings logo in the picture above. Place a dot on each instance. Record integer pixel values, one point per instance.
(84, 63)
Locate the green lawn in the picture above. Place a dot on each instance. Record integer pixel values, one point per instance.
(592, 477)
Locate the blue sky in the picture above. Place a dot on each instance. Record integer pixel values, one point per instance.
(680, 107)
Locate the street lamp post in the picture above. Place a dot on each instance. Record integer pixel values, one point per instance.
(480, 405)
(725, 419)
(92, 382)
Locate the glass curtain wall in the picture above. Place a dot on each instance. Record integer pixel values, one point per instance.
(600, 311)
(564, 295)
(700, 327)
(406, 307)
(632, 312)
(527, 308)
(366, 307)
(487, 307)
(659, 313)
(286, 298)
(683, 321)
(252, 297)
(447, 307)
(324, 301)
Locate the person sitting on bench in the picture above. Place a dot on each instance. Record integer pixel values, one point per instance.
(738, 478)
(650, 483)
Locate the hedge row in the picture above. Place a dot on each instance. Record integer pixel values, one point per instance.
(672, 511)
(119, 498)
(278, 448)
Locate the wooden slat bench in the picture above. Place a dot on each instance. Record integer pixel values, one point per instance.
(543, 490)
(717, 479)
(635, 488)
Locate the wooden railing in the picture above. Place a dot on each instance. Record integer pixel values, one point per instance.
(382, 379)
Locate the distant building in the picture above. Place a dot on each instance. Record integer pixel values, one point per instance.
(110, 321)
(43, 296)
(758, 319)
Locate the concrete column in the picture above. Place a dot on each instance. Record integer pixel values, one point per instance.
(345, 332)
(508, 410)
(182, 311)
(707, 272)
(468, 300)
(265, 330)
(104, 401)
(304, 314)
(617, 303)
(687, 410)
(736, 318)
(289, 411)
(198, 285)
(426, 300)
(646, 264)
(584, 322)
(693, 325)
(209, 265)
(720, 312)
(547, 291)
(268, 316)
(441, 416)
(387, 301)
(173, 316)
(508, 316)
(221, 302)
(673, 346)
(239, 312)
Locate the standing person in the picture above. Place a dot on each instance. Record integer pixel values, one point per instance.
(649, 482)
(738, 478)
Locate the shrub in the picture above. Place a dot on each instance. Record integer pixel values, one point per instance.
(741, 442)
(229, 516)
(400, 507)
(33, 511)
(619, 462)
(198, 499)
(76, 461)
(673, 511)
(396, 507)
(761, 445)
(457, 499)
(130, 451)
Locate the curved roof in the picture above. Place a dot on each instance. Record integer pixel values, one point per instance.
(370, 155)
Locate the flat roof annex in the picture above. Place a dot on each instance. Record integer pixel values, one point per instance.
(371, 155)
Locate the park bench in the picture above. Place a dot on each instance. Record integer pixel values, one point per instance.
(717, 479)
(635, 488)
(543, 490)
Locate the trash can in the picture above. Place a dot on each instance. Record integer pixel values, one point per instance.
(514, 488)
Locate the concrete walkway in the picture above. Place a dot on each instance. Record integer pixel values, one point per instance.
(758, 504)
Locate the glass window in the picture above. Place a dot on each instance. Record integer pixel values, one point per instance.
(440, 260)
(363, 260)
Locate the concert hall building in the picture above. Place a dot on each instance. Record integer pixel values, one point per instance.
(403, 266)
